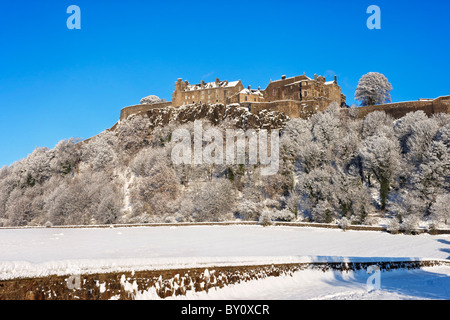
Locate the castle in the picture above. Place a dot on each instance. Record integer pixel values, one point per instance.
(297, 97)
(313, 92)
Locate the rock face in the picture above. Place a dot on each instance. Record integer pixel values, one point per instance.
(216, 114)
(152, 100)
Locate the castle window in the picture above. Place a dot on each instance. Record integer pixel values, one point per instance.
(306, 93)
(245, 98)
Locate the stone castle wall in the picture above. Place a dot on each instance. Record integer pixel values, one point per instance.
(131, 110)
(298, 109)
(400, 109)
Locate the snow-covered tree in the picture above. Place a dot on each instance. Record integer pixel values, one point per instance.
(420, 139)
(155, 187)
(373, 88)
(134, 133)
(324, 212)
(440, 212)
(3, 172)
(66, 156)
(326, 125)
(443, 135)
(403, 127)
(109, 208)
(266, 217)
(214, 201)
(433, 175)
(100, 151)
(375, 123)
(283, 215)
(36, 168)
(381, 159)
(152, 99)
(248, 210)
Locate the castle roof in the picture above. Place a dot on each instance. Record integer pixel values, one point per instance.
(305, 78)
(211, 85)
(251, 91)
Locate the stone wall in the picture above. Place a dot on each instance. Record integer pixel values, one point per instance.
(131, 110)
(399, 109)
(129, 285)
(305, 109)
(292, 108)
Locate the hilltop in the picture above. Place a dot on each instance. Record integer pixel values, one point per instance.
(334, 168)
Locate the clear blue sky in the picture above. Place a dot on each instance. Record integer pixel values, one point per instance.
(57, 83)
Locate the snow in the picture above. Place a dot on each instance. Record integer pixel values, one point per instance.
(426, 283)
(232, 84)
(212, 85)
(251, 91)
(61, 251)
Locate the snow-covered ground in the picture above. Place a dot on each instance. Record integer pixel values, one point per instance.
(44, 251)
(426, 283)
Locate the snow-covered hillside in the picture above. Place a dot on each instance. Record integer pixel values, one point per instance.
(332, 168)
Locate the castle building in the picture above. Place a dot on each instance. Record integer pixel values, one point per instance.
(296, 97)
(205, 92)
(312, 92)
(247, 95)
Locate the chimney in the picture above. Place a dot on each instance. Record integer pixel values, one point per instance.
(186, 82)
(217, 80)
(179, 79)
(315, 76)
(283, 77)
(203, 83)
(335, 79)
(259, 88)
(249, 87)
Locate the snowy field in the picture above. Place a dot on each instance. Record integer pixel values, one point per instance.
(45, 251)
(38, 252)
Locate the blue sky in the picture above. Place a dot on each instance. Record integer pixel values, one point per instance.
(57, 83)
